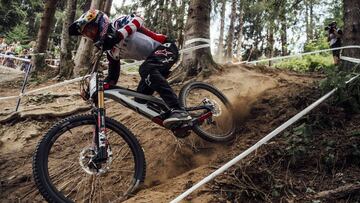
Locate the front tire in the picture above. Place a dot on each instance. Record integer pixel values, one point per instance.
(221, 127)
(60, 176)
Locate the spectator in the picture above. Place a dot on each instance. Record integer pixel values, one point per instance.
(9, 62)
(25, 65)
(334, 38)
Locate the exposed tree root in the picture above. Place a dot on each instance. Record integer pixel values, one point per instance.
(339, 192)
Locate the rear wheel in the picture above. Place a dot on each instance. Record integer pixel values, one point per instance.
(61, 166)
(220, 127)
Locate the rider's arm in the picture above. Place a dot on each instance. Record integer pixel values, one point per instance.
(158, 37)
(131, 27)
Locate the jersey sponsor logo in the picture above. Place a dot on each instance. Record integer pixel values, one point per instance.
(167, 60)
(163, 52)
(147, 80)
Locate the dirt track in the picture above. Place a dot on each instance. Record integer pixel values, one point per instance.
(172, 165)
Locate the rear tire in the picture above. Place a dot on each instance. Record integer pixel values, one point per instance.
(71, 176)
(201, 91)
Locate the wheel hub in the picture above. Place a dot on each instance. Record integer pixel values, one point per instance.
(86, 161)
(216, 109)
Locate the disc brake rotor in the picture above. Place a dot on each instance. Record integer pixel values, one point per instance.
(216, 109)
(87, 164)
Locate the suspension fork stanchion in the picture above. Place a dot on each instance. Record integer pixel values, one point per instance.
(102, 140)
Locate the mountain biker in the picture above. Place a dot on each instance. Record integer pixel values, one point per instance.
(126, 37)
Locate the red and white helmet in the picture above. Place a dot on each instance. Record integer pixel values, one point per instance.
(93, 24)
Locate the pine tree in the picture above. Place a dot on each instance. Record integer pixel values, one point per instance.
(198, 62)
(351, 30)
(230, 37)
(222, 27)
(66, 64)
(43, 35)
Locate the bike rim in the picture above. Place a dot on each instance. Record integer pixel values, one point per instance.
(221, 124)
(69, 177)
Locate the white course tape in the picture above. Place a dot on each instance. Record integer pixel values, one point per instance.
(257, 145)
(190, 41)
(13, 57)
(354, 60)
(299, 55)
(55, 85)
(10, 97)
(194, 48)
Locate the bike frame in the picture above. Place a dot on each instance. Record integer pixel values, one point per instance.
(155, 109)
(122, 96)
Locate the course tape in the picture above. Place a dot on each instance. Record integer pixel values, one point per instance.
(14, 57)
(45, 88)
(299, 55)
(190, 41)
(354, 60)
(257, 145)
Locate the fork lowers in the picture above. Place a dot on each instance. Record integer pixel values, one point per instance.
(101, 134)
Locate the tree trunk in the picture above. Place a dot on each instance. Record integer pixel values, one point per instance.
(283, 36)
(311, 24)
(307, 27)
(222, 25)
(31, 26)
(270, 41)
(180, 23)
(198, 62)
(66, 67)
(43, 35)
(230, 38)
(84, 51)
(240, 34)
(351, 30)
(107, 7)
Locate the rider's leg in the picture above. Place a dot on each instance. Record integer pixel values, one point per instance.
(153, 72)
(145, 89)
(114, 70)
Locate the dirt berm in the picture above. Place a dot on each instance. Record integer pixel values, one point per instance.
(263, 98)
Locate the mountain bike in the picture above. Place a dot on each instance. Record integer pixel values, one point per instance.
(94, 158)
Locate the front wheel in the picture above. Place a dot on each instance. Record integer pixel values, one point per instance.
(220, 127)
(61, 166)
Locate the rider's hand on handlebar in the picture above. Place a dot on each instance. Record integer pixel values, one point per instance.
(110, 39)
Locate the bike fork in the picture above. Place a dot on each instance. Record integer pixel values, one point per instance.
(100, 132)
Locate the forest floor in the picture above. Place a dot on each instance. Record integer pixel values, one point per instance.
(305, 169)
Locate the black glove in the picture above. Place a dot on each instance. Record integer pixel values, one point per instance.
(109, 41)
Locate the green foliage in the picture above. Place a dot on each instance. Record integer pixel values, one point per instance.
(11, 14)
(299, 140)
(318, 44)
(18, 34)
(307, 63)
(348, 95)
